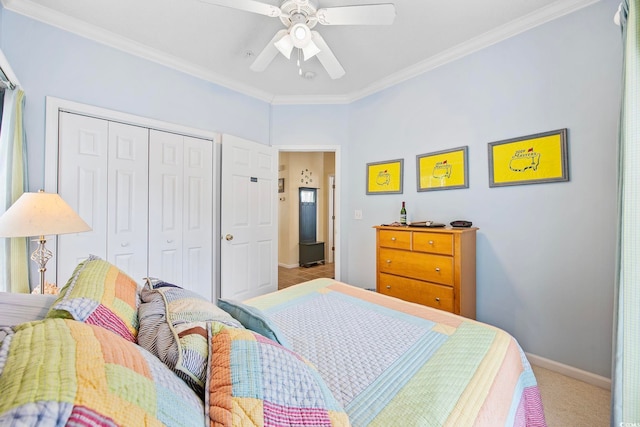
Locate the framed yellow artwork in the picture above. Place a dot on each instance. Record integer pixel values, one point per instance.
(531, 159)
(385, 177)
(443, 170)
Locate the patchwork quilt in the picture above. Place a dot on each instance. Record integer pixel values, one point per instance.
(58, 372)
(389, 362)
(353, 357)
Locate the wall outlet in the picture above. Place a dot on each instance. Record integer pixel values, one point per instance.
(357, 214)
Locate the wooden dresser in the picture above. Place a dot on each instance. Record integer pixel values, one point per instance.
(430, 266)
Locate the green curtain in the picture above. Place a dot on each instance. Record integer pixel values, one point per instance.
(14, 259)
(625, 394)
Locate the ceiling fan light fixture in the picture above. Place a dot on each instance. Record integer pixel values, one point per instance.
(300, 35)
(310, 50)
(285, 45)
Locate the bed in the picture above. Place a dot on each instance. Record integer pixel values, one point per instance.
(109, 351)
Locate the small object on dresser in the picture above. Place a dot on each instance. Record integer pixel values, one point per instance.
(461, 223)
(429, 224)
(403, 215)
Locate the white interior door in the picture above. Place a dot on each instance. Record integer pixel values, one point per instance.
(83, 147)
(165, 206)
(197, 229)
(128, 198)
(181, 211)
(249, 220)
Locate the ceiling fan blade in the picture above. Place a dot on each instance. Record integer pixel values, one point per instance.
(248, 6)
(269, 52)
(366, 14)
(326, 57)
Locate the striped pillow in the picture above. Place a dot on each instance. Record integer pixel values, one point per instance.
(173, 327)
(100, 294)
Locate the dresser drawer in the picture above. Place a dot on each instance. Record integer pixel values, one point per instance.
(437, 243)
(417, 265)
(430, 294)
(394, 239)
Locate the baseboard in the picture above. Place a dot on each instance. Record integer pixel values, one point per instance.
(288, 265)
(570, 371)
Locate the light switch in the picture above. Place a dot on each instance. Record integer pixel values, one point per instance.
(357, 214)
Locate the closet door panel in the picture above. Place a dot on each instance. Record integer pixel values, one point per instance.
(165, 206)
(197, 235)
(82, 183)
(127, 198)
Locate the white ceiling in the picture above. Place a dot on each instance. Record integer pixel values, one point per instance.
(219, 44)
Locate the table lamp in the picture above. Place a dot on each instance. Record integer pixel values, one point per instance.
(40, 214)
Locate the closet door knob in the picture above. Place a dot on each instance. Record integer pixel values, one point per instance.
(229, 237)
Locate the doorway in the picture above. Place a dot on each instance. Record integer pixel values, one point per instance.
(315, 167)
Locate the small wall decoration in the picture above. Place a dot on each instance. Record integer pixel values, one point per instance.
(280, 185)
(443, 170)
(385, 177)
(530, 159)
(306, 177)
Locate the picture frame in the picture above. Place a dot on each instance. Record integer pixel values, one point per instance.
(280, 185)
(443, 170)
(385, 177)
(532, 159)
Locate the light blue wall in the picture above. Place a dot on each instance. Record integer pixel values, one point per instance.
(545, 252)
(52, 62)
(319, 125)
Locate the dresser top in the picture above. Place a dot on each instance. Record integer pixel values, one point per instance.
(446, 229)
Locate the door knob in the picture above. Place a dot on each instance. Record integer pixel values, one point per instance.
(229, 237)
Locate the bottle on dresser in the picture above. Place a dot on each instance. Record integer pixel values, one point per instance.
(403, 215)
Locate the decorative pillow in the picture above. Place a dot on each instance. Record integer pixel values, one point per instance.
(172, 326)
(254, 319)
(255, 381)
(100, 294)
(56, 372)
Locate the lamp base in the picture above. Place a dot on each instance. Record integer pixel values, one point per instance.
(40, 256)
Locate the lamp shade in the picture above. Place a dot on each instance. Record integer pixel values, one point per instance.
(40, 214)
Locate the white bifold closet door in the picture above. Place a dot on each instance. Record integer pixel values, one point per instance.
(103, 175)
(147, 196)
(181, 211)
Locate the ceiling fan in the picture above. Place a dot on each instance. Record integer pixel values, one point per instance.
(300, 16)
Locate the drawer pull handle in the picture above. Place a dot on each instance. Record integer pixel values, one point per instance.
(431, 242)
(438, 299)
(388, 261)
(437, 268)
(393, 239)
(388, 286)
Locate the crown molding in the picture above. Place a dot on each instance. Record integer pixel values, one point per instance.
(549, 13)
(91, 32)
(513, 28)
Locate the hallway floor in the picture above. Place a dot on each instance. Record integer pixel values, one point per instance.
(292, 276)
